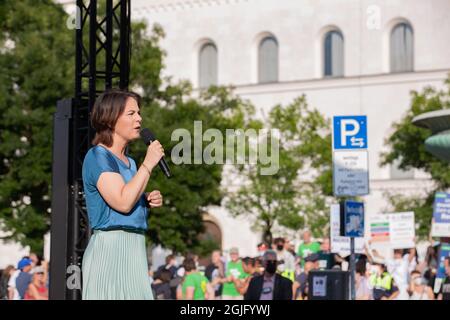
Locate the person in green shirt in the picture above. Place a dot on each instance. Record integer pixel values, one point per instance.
(307, 247)
(195, 285)
(234, 270)
(249, 267)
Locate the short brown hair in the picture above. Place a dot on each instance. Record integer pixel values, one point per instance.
(249, 261)
(189, 264)
(107, 109)
(169, 257)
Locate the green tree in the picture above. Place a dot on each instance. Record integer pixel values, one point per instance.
(193, 187)
(37, 69)
(408, 149)
(297, 194)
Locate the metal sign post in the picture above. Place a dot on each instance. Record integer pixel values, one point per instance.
(352, 268)
(350, 178)
(352, 226)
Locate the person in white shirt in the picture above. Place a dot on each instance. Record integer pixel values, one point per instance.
(399, 267)
(417, 289)
(13, 294)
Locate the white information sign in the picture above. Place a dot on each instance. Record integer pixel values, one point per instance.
(350, 173)
(396, 230)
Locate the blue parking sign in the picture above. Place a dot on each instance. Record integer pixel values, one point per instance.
(350, 132)
(354, 219)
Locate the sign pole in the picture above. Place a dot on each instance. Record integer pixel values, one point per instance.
(352, 268)
(350, 178)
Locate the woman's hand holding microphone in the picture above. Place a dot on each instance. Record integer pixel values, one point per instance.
(155, 152)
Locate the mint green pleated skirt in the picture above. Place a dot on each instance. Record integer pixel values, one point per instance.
(115, 267)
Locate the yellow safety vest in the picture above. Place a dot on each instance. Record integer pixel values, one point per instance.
(381, 282)
(288, 274)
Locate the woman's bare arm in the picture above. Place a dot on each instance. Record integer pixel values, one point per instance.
(123, 196)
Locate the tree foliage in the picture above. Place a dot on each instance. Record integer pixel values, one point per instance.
(36, 69)
(37, 58)
(407, 148)
(193, 187)
(296, 195)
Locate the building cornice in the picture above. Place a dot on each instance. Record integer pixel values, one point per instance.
(157, 6)
(180, 5)
(345, 82)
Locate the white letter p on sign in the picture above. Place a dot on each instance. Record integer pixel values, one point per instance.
(348, 133)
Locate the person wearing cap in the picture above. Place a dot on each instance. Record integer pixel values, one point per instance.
(35, 259)
(270, 285)
(24, 278)
(314, 259)
(37, 289)
(233, 271)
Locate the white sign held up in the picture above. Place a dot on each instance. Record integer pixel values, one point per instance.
(340, 244)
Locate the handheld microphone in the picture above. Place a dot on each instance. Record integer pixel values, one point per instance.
(148, 137)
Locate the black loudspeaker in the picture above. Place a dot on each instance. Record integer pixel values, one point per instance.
(329, 285)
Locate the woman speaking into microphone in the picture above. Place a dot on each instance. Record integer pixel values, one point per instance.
(115, 261)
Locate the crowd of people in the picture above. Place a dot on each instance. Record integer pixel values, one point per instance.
(29, 281)
(278, 272)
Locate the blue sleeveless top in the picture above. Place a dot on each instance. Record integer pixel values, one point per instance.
(101, 216)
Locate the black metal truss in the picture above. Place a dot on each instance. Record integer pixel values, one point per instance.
(102, 62)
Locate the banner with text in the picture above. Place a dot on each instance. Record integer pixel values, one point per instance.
(396, 230)
(440, 226)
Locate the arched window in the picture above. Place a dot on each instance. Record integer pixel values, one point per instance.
(268, 60)
(402, 48)
(398, 173)
(211, 239)
(207, 65)
(334, 54)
